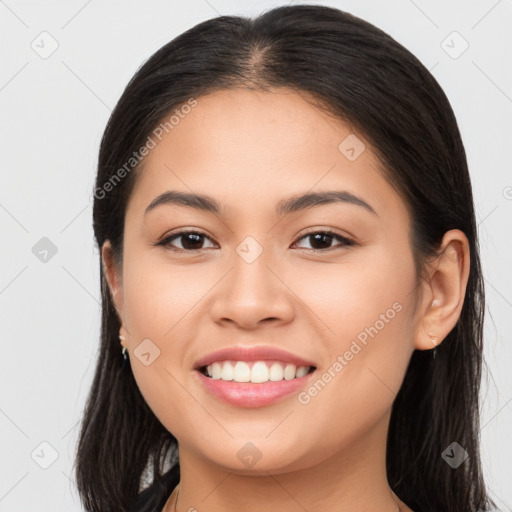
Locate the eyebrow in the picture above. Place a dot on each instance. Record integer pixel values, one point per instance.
(284, 207)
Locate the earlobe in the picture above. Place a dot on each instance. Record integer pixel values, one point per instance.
(112, 277)
(449, 275)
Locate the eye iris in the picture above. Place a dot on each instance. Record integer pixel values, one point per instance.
(196, 237)
(319, 237)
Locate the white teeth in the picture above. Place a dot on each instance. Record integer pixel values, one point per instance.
(216, 370)
(242, 372)
(259, 372)
(227, 372)
(256, 372)
(276, 372)
(289, 371)
(301, 371)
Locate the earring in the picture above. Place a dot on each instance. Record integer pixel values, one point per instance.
(435, 339)
(123, 352)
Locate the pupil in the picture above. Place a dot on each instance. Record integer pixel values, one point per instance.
(195, 236)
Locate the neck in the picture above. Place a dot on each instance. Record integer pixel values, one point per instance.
(352, 479)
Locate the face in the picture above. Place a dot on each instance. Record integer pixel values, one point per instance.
(331, 284)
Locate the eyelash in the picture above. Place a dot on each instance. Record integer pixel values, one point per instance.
(344, 240)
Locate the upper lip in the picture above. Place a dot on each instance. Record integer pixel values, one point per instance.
(251, 353)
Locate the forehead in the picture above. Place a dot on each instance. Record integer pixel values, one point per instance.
(243, 146)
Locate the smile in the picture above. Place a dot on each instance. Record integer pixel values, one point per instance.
(257, 389)
(254, 371)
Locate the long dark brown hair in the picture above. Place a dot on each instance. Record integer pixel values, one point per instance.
(360, 75)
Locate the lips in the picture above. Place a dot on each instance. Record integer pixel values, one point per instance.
(245, 392)
(254, 353)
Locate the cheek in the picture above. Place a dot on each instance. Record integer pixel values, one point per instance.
(163, 303)
(160, 296)
(367, 308)
(370, 287)
(163, 394)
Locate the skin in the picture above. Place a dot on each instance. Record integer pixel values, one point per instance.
(248, 150)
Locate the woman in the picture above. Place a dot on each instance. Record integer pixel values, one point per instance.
(292, 295)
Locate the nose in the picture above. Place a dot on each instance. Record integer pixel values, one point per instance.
(252, 294)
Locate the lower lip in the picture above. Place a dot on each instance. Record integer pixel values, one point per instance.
(248, 394)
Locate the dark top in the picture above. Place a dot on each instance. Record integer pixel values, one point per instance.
(154, 497)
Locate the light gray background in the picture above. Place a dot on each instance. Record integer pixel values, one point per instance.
(53, 112)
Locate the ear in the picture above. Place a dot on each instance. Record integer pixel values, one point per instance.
(444, 294)
(114, 281)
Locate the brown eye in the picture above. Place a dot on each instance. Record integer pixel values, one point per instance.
(321, 239)
(191, 241)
